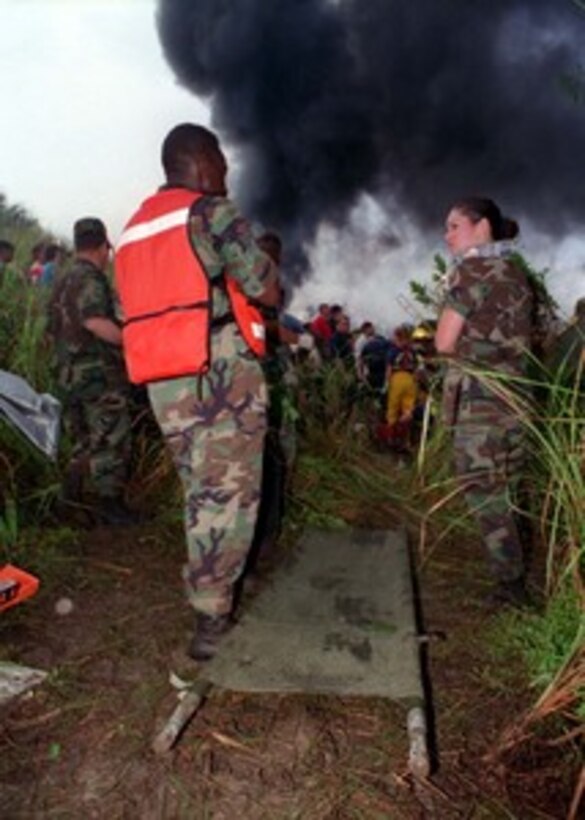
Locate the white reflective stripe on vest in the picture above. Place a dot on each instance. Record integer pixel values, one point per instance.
(258, 331)
(146, 230)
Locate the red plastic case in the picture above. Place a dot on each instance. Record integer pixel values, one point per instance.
(16, 585)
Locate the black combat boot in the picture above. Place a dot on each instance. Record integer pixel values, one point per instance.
(72, 486)
(511, 593)
(113, 512)
(209, 630)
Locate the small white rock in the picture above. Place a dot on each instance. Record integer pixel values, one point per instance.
(64, 606)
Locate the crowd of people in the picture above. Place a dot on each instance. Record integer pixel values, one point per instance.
(397, 368)
(48, 257)
(203, 318)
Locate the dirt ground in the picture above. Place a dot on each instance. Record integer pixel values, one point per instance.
(79, 745)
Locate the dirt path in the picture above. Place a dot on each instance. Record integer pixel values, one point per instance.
(79, 747)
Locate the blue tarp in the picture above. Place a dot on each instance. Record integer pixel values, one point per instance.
(36, 415)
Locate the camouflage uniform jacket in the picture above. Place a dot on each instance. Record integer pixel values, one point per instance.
(496, 300)
(85, 363)
(223, 240)
(225, 245)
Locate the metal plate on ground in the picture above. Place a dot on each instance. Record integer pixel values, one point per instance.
(15, 680)
(337, 617)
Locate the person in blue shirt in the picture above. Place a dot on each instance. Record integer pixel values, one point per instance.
(53, 259)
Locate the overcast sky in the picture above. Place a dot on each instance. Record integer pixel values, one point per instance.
(87, 99)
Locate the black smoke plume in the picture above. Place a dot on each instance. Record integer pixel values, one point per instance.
(411, 101)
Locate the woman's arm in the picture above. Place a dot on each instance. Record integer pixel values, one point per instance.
(449, 330)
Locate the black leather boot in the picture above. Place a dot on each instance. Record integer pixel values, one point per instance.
(114, 512)
(511, 593)
(209, 630)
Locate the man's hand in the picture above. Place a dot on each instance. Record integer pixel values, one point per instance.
(104, 329)
(270, 296)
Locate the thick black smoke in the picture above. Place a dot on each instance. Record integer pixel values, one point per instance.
(418, 102)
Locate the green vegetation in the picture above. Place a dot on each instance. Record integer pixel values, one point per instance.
(551, 406)
(341, 479)
(27, 480)
(543, 639)
(18, 226)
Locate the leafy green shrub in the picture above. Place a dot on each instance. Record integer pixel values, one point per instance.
(548, 639)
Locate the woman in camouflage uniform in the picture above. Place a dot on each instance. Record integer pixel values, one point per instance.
(485, 329)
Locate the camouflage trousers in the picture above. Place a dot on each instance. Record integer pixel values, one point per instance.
(214, 425)
(99, 428)
(488, 462)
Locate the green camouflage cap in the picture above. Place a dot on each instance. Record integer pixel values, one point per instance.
(90, 228)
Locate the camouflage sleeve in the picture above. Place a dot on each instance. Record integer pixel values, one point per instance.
(230, 240)
(92, 298)
(466, 291)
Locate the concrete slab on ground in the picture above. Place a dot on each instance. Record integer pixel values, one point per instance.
(337, 617)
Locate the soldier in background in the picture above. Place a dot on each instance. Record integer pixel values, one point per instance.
(189, 270)
(92, 376)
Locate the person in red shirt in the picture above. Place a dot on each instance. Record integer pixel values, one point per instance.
(35, 270)
(322, 330)
(321, 326)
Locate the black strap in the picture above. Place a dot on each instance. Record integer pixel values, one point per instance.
(229, 318)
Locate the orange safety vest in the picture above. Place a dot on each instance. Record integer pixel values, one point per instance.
(165, 293)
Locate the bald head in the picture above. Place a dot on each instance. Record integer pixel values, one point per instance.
(191, 156)
(271, 244)
(184, 142)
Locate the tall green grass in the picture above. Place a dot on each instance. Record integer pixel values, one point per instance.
(342, 479)
(27, 479)
(551, 409)
(24, 347)
(554, 642)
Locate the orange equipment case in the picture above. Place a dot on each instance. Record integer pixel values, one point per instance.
(16, 585)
